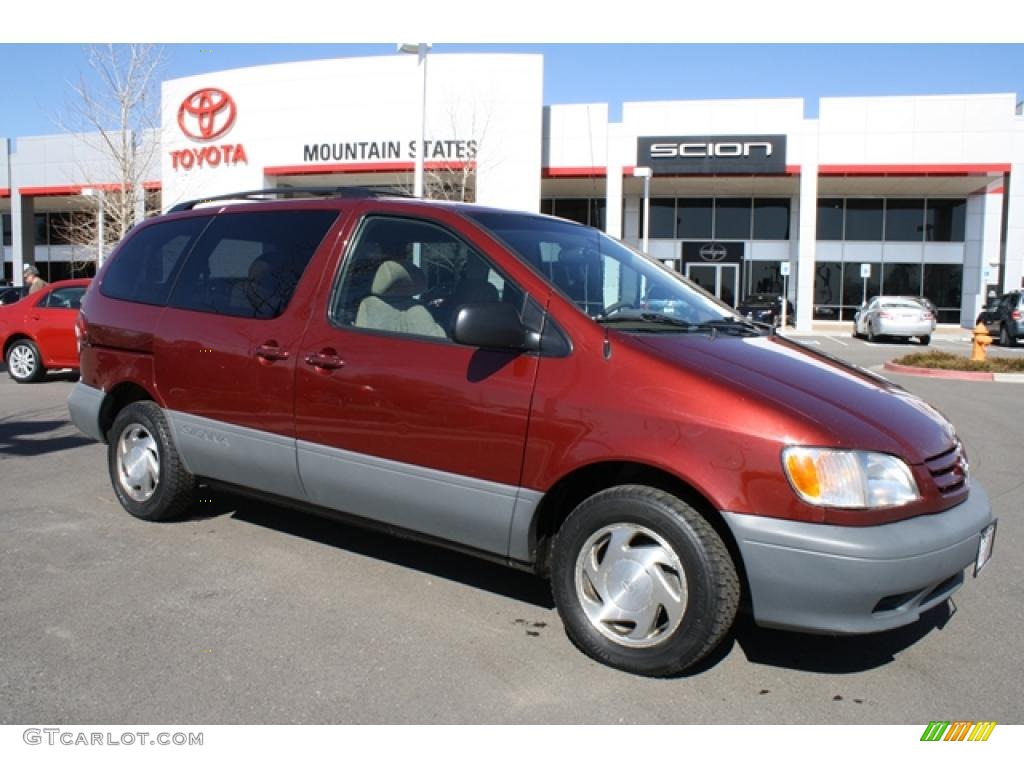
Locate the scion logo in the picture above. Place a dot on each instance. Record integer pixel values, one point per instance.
(712, 149)
(692, 155)
(713, 252)
(206, 114)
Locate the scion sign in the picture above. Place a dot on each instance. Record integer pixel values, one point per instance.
(712, 154)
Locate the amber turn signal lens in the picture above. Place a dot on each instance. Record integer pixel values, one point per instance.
(803, 471)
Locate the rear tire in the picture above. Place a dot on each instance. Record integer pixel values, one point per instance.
(1005, 338)
(925, 340)
(146, 471)
(24, 363)
(642, 581)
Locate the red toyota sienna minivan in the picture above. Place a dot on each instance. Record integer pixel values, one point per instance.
(498, 382)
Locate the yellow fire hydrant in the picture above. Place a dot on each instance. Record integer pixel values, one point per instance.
(981, 340)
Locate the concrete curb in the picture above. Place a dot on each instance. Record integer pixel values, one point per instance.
(938, 373)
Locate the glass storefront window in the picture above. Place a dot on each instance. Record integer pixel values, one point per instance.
(585, 210)
(61, 229)
(694, 217)
(598, 208)
(863, 219)
(663, 217)
(904, 220)
(771, 218)
(945, 221)
(7, 224)
(901, 279)
(828, 276)
(732, 218)
(853, 288)
(39, 222)
(764, 277)
(573, 209)
(830, 219)
(943, 284)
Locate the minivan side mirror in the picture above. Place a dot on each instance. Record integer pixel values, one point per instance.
(493, 325)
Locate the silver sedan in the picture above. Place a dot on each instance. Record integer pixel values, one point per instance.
(894, 316)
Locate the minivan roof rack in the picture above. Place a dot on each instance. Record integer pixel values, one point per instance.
(286, 192)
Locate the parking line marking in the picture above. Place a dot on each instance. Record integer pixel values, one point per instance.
(837, 341)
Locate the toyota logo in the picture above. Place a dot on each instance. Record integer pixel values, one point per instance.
(206, 114)
(713, 252)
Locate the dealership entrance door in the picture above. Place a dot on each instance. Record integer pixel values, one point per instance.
(723, 280)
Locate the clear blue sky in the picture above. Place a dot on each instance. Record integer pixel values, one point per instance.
(34, 77)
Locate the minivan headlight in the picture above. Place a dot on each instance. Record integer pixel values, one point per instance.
(827, 477)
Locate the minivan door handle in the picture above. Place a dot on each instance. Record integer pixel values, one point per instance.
(326, 360)
(270, 352)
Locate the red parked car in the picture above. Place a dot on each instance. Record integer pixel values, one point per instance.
(496, 381)
(38, 332)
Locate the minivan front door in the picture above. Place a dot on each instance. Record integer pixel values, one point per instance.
(396, 422)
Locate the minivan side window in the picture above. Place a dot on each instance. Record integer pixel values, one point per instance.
(147, 263)
(248, 264)
(410, 277)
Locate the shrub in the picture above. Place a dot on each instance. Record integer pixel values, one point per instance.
(949, 362)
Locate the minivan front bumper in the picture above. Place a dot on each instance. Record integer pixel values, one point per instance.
(853, 580)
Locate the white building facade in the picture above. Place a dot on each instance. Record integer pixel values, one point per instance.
(915, 195)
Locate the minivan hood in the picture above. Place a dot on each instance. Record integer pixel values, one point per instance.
(847, 406)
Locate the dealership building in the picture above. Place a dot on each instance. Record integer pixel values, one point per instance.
(910, 195)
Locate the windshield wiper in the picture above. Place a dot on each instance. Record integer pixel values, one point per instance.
(646, 317)
(740, 326)
(651, 321)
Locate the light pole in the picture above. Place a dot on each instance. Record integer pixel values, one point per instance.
(98, 194)
(420, 49)
(643, 172)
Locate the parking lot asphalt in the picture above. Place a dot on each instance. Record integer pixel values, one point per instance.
(249, 613)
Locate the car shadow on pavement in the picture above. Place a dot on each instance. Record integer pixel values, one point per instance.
(826, 654)
(834, 654)
(28, 438)
(422, 556)
(61, 374)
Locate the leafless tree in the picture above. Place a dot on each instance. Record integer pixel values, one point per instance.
(454, 178)
(114, 109)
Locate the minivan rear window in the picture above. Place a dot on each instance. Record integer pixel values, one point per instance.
(148, 262)
(248, 264)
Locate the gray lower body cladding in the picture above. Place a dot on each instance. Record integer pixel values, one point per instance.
(852, 580)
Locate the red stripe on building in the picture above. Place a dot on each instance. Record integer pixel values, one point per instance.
(76, 189)
(5, 192)
(579, 172)
(791, 170)
(403, 167)
(954, 169)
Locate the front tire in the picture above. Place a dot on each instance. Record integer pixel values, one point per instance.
(24, 363)
(642, 581)
(146, 471)
(925, 340)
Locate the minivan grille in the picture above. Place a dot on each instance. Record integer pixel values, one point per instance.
(949, 469)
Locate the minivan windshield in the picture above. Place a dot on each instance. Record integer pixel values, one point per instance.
(606, 280)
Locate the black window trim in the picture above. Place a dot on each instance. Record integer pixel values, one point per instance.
(346, 258)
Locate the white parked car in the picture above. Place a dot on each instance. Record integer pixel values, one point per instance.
(894, 316)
